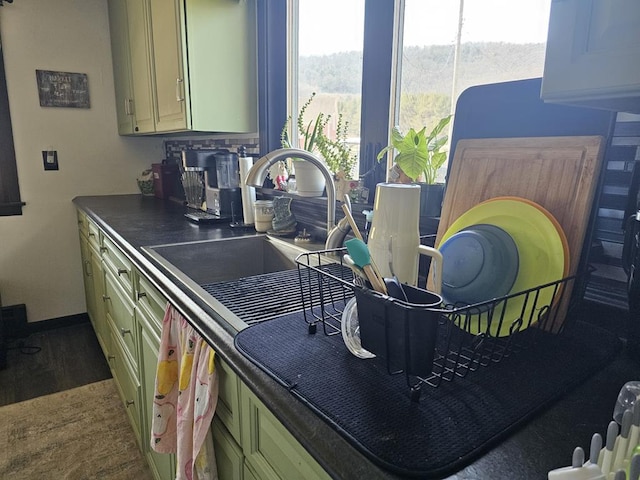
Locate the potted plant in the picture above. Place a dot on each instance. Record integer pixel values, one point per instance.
(336, 153)
(418, 160)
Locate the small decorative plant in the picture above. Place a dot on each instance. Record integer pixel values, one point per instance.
(336, 153)
(419, 154)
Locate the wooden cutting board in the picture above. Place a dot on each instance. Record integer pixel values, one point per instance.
(558, 173)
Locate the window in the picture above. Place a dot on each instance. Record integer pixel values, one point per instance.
(415, 58)
(326, 65)
(10, 203)
(448, 46)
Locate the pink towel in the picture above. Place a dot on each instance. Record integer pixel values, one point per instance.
(185, 399)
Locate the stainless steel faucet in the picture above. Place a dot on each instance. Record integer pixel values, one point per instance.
(258, 173)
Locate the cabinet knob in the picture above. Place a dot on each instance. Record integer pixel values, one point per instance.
(141, 295)
(105, 298)
(124, 331)
(111, 357)
(91, 234)
(103, 249)
(128, 403)
(123, 271)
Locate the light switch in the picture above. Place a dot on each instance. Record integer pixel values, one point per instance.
(50, 159)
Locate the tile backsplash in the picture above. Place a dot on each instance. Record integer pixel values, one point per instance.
(173, 147)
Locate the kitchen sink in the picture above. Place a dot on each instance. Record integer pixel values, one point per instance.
(215, 261)
(239, 281)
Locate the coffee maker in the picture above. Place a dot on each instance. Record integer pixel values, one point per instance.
(211, 181)
(222, 186)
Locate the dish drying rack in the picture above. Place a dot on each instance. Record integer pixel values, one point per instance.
(430, 344)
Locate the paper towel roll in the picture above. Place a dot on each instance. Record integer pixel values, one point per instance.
(248, 193)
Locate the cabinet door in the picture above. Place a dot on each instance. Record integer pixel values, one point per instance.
(162, 465)
(118, 25)
(126, 382)
(87, 277)
(119, 310)
(269, 449)
(229, 458)
(593, 54)
(168, 67)
(99, 316)
(140, 51)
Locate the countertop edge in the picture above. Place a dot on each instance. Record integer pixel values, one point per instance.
(324, 444)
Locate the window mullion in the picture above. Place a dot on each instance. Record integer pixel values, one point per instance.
(377, 75)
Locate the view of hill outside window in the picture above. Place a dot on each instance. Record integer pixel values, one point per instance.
(447, 46)
(330, 42)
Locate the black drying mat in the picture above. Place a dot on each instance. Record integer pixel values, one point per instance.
(453, 424)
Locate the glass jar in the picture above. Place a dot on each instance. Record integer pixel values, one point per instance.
(263, 215)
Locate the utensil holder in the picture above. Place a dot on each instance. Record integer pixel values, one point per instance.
(403, 333)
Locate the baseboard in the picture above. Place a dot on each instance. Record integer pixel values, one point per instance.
(15, 325)
(67, 321)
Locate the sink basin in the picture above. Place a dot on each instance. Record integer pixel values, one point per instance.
(217, 261)
(210, 269)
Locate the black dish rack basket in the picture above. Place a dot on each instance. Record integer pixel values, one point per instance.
(423, 338)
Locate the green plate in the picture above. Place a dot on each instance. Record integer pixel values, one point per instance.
(543, 257)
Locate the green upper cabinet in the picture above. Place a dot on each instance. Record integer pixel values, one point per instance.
(593, 54)
(121, 65)
(191, 65)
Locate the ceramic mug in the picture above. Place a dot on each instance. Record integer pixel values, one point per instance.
(394, 238)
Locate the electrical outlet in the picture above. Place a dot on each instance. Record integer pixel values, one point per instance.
(50, 159)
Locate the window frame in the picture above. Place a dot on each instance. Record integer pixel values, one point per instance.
(10, 202)
(276, 75)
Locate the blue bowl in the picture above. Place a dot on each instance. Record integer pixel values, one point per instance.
(479, 263)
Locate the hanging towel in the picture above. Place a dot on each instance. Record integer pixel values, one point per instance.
(185, 399)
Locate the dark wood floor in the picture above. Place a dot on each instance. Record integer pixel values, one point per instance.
(68, 357)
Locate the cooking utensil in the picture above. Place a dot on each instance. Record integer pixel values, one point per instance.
(359, 278)
(346, 208)
(360, 253)
(394, 288)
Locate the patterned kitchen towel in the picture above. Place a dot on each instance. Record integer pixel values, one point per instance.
(185, 399)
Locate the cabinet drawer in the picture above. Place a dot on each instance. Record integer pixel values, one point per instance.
(119, 310)
(93, 234)
(152, 301)
(270, 450)
(127, 383)
(228, 408)
(83, 224)
(119, 265)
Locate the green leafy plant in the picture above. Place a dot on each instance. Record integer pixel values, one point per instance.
(336, 153)
(418, 153)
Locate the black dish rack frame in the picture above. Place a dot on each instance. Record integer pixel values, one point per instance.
(430, 344)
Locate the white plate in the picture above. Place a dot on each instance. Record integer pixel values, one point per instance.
(351, 330)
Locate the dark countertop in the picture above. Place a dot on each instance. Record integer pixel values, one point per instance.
(544, 443)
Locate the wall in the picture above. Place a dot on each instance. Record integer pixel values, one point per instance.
(39, 250)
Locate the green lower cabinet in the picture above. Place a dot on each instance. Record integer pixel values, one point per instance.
(248, 474)
(270, 451)
(229, 457)
(162, 465)
(126, 381)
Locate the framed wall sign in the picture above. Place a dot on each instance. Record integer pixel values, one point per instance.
(63, 89)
